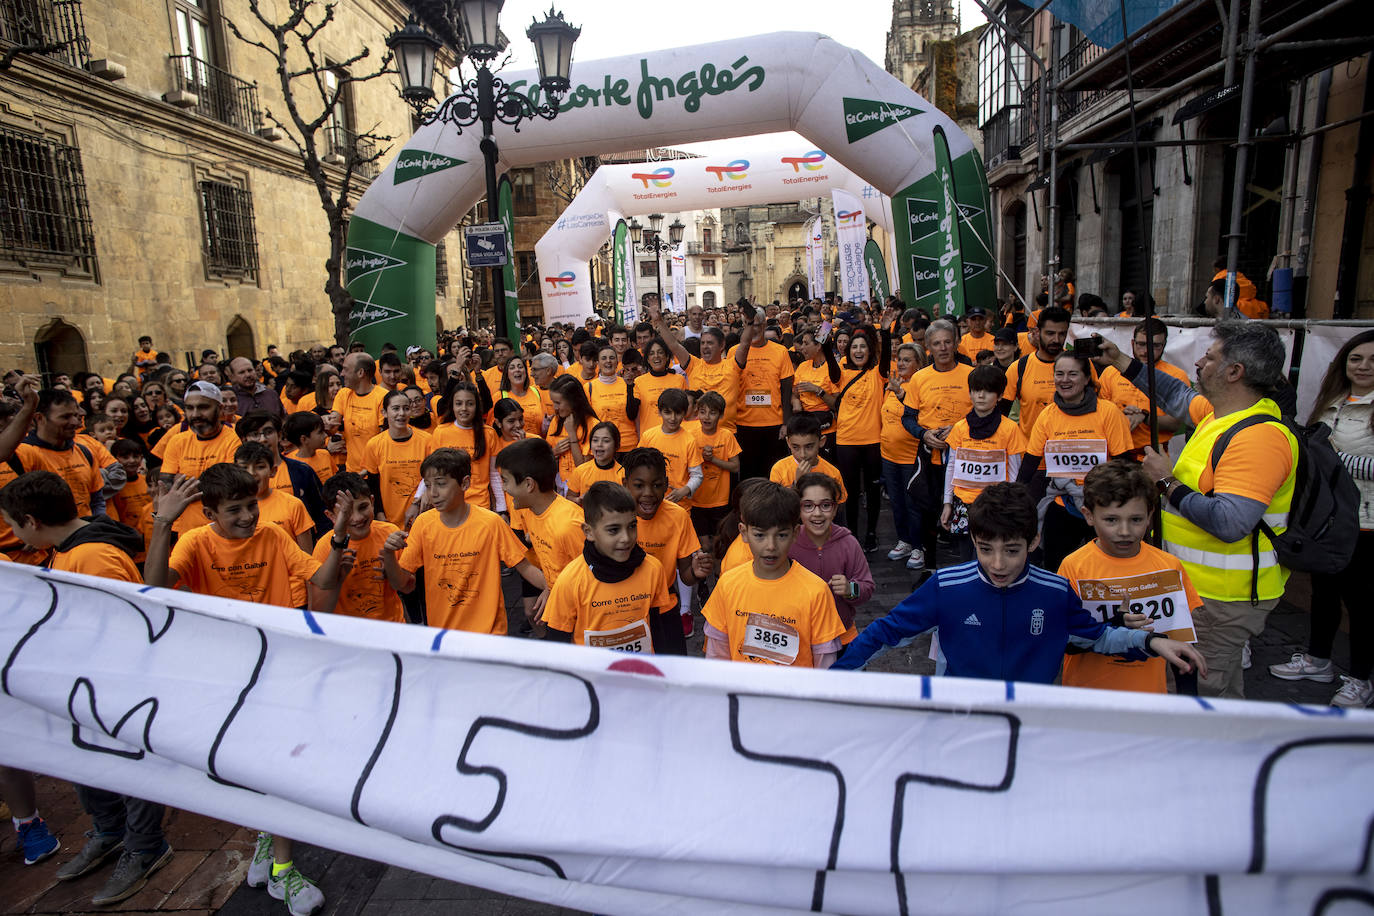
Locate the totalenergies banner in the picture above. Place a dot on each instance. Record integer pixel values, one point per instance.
(815, 257)
(613, 784)
(849, 110)
(851, 231)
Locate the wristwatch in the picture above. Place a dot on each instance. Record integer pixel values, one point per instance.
(1164, 483)
(338, 546)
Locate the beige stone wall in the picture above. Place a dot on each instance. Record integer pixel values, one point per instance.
(141, 159)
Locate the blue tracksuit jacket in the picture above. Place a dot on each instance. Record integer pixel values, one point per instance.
(1017, 633)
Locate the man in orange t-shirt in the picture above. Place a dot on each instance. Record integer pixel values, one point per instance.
(359, 404)
(206, 442)
(764, 402)
(52, 445)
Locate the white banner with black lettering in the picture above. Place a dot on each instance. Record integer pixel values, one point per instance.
(815, 257)
(678, 260)
(601, 782)
(851, 234)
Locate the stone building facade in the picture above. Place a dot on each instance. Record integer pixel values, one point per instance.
(145, 192)
(766, 250)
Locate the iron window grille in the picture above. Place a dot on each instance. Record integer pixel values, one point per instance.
(55, 24)
(219, 94)
(44, 216)
(228, 236)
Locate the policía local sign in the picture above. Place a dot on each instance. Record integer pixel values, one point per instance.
(486, 245)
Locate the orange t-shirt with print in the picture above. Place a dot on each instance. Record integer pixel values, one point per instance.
(81, 474)
(681, 451)
(774, 621)
(190, 455)
(397, 465)
(463, 568)
(668, 536)
(1106, 423)
(714, 491)
(723, 379)
(858, 414)
(760, 384)
(365, 592)
(261, 568)
(610, 615)
(608, 400)
(556, 535)
(896, 445)
(451, 435)
(321, 462)
(647, 388)
(941, 398)
(1007, 440)
(785, 472)
(362, 417)
(1108, 672)
(807, 371)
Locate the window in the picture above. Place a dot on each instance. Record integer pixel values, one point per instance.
(1002, 74)
(526, 269)
(522, 192)
(47, 22)
(218, 93)
(648, 269)
(708, 268)
(227, 233)
(441, 269)
(708, 238)
(708, 300)
(44, 218)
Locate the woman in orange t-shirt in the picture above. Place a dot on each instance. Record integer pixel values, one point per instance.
(858, 408)
(816, 377)
(461, 414)
(571, 429)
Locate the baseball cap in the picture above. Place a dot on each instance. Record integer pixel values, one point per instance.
(205, 390)
(1005, 335)
(976, 311)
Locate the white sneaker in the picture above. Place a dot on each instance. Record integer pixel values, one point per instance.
(917, 559)
(300, 893)
(260, 869)
(900, 552)
(1246, 659)
(1303, 667)
(1354, 693)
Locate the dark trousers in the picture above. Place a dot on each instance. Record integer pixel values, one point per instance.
(139, 821)
(861, 469)
(759, 450)
(895, 478)
(1328, 591)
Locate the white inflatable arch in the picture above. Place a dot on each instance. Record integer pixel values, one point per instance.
(764, 174)
(841, 102)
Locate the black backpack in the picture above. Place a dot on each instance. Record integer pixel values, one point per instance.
(1324, 518)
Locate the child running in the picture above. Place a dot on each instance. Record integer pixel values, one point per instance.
(605, 445)
(614, 596)
(679, 447)
(665, 528)
(804, 441)
(552, 525)
(719, 462)
(829, 550)
(981, 449)
(369, 586)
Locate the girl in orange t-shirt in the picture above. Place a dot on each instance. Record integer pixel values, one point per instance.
(858, 408)
(570, 431)
(462, 428)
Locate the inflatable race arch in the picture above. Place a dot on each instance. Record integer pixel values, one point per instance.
(750, 175)
(839, 100)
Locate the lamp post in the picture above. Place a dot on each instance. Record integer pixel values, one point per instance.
(650, 241)
(486, 97)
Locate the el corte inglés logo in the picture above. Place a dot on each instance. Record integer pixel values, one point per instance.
(412, 164)
(863, 117)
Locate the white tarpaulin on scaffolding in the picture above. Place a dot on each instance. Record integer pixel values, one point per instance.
(671, 785)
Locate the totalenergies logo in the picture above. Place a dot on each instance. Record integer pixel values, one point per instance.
(849, 217)
(735, 171)
(812, 161)
(661, 178)
(562, 281)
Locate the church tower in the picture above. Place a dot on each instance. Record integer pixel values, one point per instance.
(915, 24)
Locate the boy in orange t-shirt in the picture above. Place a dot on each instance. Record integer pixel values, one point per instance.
(983, 448)
(719, 460)
(679, 447)
(41, 510)
(235, 557)
(665, 528)
(133, 504)
(1117, 575)
(275, 506)
(462, 548)
(614, 595)
(772, 610)
(367, 587)
(804, 441)
(550, 524)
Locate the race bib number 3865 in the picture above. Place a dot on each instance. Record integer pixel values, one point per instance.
(768, 639)
(1160, 596)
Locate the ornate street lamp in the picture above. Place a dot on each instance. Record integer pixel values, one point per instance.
(650, 241)
(486, 97)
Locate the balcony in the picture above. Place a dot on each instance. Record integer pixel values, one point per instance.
(341, 144)
(214, 93)
(708, 248)
(1002, 137)
(54, 25)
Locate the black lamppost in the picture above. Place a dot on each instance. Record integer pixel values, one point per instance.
(650, 241)
(486, 97)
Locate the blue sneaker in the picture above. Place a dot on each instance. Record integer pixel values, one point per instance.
(36, 841)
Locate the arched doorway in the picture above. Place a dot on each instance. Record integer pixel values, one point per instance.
(708, 299)
(59, 349)
(796, 290)
(240, 338)
(1014, 246)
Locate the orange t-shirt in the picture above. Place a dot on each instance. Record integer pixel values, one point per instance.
(647, 388)
(963, 447)
(362, 418)
(858, 415)
(190, 455)
(608, 400)
(566, 468)
(723, 379)
(556, 536)
(896, 445)
(365, 592)
(81, 474)
(668, 537)
(451, 435)
(589, 472)
(714, 491)
(774, 621)
(760, 384)
(94, 559)
(397, 464)
(807, 371)
(1106, 424)
(737, 554)
(1037, 390)
(321, 462)
(1115, 387)
(1255, 464)
(941, 398)
(531, 406)
(463, 568)
(133, 505)
(1089, 564)
(261, 568)
(681, 451)
(307, 402)
(611, 615)
(785, 472)
(971, 346)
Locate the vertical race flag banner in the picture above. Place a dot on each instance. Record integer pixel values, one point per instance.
(550, 771)
(815, 258)
(851, 231)
(621, 264)
(390, 276)
(876, 268)
(679, 261)
(505, 209)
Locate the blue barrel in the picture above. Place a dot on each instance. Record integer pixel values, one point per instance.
(1283, 292)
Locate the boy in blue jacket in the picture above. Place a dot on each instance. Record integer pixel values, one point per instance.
(1000, 617)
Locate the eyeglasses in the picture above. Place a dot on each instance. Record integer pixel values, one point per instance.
(824, 505)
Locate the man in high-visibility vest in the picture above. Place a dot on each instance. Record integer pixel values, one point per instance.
(1211, 511)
